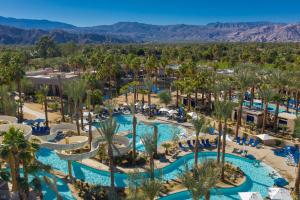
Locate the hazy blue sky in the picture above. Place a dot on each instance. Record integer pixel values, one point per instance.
(94, 12)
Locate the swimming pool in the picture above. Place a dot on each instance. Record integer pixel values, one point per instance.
(271, 107)
(165, 131)
(258, 178)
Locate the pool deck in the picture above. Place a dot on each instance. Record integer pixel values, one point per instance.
(265, 153)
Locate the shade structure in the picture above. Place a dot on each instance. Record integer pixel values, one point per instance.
(265, 137)
(250, 196)
(86, 114)
(163, 110)
(279, 194)
(146, 106)
(171, 112)
(227, 138)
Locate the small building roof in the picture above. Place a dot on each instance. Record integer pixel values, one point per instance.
(287, 116)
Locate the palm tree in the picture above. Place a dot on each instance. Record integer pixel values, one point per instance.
(165, 97)
(151, 188)
(12, 145)
(124, 90)
(199, 124)
(218, 112)
(243, 77)
(108, 129)
(206, 177)
(297, 135)
(267, 94)
(76, 90)
(150, 143)
(42, 96)
(134, 123)
(227, 107)
(61, 98)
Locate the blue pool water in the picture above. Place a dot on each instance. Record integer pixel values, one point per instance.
(271, 107)
(257, 177)
(62, 187)
(165, 131)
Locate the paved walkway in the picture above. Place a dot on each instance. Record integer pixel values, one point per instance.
(33, 112)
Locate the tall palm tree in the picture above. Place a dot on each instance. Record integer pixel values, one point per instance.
(218, 112)
(62, 112)
(267, 94)
(150, 144)
(76, 90)
(297, 135)
(227, 107)
(199, 124)
(42, 95)
(134, 123)
(151, 188)
(200, 183)
(243, 77)
(108, 129)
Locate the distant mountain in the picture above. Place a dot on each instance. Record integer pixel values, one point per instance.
(213, 32)
(34, 24)
(13, 36)
(122, 32)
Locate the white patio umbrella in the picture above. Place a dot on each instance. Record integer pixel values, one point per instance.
(86, 128)
(265, 137)
(250, 196)
(192, 115)
(163, 110)
(227, 138)
(146, 106)
(279, 194)
(86, 114)
(171, 112)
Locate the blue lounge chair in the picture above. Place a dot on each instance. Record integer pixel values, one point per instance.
(238, 140)
(255, 143)
(244, 140)
(207, 143)
(181, 146)
(189, 144)
(216, 142)
(203, 142)
(251, 141)
(280, 182)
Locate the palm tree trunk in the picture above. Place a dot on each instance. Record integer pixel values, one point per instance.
(264, 117)
(252, 96)
(151, 167)
(77, 122)
(177, 97)
(90, 130)
(46, 111)
(111, 168)
(13, 173)
(134, 139)
(239, 118)
(207, 195)
(196, 150)
(276, 117)
(20, 101)
(196, 98)
(26, 179)
(297, 102)
(70, 169)
(61, 100)
(219, 142)
(224, 149)
(189, 102)
(81, 117)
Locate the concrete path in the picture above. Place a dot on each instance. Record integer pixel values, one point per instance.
(33, 112)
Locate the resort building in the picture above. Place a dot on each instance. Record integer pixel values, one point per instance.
(286, 122)
(249, 116)
(50, 77)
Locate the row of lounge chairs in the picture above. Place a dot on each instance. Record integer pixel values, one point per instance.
(201, 145)
(40, 130)
(251, 142)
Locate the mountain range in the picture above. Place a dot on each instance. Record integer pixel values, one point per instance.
(28, 31)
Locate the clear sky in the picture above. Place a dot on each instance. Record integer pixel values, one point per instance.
(97, 12)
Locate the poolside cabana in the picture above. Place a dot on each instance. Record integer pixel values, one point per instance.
(286, 121)
(249, 116)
